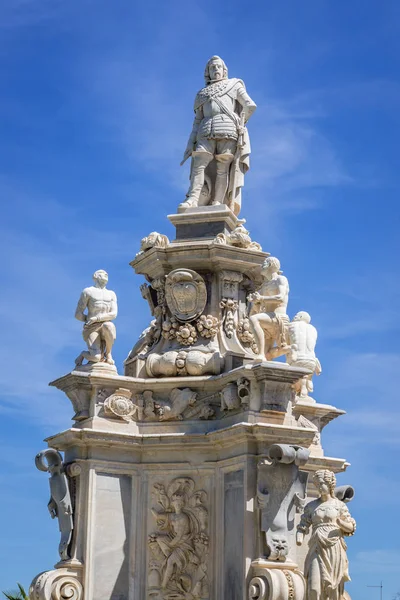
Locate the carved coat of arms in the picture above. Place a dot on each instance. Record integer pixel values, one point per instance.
(186, 294)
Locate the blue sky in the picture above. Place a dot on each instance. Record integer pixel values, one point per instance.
(96, 104)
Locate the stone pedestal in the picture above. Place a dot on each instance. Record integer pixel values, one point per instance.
(168, 501)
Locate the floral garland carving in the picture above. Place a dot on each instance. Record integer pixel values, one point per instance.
(186, 334)
(245, 335)
(289, 579)
(229, 306)
(207, 326)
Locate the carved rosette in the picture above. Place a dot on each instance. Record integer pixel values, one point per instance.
(119, 405)
(179, 570)
(60, 584)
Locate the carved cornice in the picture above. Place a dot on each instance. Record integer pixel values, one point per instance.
(202, 255)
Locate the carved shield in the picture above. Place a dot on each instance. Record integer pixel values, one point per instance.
(186, 294)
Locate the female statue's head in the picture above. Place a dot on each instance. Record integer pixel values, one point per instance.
(325, 482)
(215, 70)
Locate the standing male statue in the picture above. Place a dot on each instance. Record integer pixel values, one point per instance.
(219, 143)
(268, 311)
(98, 331)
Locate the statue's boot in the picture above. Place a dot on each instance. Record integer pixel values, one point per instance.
(200, 162)
(221, 182)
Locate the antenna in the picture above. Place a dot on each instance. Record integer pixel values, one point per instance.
(377, 586)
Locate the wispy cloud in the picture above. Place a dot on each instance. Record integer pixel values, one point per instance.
(26, 13)
(376, 561)
(46, 269)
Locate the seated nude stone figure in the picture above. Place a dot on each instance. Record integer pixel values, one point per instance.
(98, 331)
(268, 316)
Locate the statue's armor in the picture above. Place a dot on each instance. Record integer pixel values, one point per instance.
(213, 144)
(213, 123)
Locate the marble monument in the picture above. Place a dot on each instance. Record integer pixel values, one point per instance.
(197, 472)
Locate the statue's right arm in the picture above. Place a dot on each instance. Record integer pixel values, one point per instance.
(81, 306)
(198, 117)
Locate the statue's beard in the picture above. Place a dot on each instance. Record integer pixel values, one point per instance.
(217, 79)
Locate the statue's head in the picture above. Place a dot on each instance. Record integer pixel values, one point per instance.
(302, 316)
(178, 501)
(325, 482)
(271, 265)
(215, 70)
(100, 278)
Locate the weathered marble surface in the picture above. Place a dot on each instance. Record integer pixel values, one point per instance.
(185, 477)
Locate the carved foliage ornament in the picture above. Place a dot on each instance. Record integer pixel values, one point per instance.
(206, 326)
(246, 336)
(186, 294)
(229, 307)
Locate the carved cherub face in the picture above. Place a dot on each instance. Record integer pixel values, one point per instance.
(279, 547)
(216, 70)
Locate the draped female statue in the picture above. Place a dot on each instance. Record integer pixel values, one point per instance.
(326, 566)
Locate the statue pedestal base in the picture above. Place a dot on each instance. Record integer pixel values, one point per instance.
(174, 468)
(145, 479)
(204, 222)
